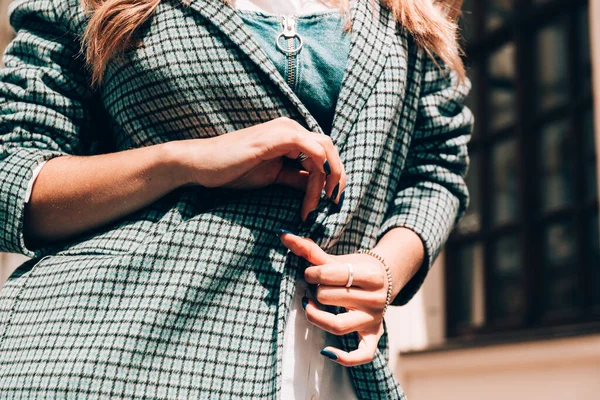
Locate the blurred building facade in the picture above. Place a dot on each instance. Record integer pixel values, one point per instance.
(512, 307)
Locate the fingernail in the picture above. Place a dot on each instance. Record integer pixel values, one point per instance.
(327, 168)
(282, 231)
(336, 189)
(341, 202)
(304, 302)
(329, 354)
(311, 218)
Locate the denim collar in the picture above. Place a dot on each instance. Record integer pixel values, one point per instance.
(373, 29)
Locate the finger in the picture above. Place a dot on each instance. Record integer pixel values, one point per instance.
(303, 141)
(314, 187)
(292, 177)
(305, 248)
(296, 140)
(367, 347)
(334, 163)
(352, 297)
(340, 324)
(337, 274)
(343, 183)
(289, 140)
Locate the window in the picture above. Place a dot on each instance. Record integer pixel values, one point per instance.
(526, 254)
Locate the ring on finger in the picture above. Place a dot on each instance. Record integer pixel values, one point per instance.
(302, 157)
(350, 275)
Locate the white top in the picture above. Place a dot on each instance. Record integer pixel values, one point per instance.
(34, 175)
(288, 7)
(306, 374)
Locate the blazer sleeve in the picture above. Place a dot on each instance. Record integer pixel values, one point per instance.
(43, 109)
(433, 194)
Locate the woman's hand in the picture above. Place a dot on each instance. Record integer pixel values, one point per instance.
(253, 158)
(75, 194)
(364, 300)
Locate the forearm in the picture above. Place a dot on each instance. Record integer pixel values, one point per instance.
(404, 253)
(432, 193)
(74, 194)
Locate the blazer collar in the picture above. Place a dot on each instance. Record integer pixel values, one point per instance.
(372, 30)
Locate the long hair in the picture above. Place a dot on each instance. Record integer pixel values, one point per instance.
(112, 24)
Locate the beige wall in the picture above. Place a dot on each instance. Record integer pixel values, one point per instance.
(558, 369)
(5, 29)
(421, 323)
(7, 261)
(565, 369)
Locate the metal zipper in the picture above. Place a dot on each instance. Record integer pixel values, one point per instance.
(289, 32)
(291, 63)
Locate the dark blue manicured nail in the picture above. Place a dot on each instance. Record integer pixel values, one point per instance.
(341, 202)
(282, 231)
(336, 189)
(329, 354)
(327, 168)
(304, 302)
(311, 218)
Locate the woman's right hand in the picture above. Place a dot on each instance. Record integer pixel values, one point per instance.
(74, 194)
(253, 158)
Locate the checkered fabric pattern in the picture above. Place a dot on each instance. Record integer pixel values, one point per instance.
(188, 297)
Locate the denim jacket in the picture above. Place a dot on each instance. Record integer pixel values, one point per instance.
(315, 71)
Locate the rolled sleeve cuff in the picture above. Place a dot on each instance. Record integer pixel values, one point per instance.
(432, 219)
(34, 176)
(19, 168)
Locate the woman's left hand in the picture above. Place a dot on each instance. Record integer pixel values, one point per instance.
(364, 300)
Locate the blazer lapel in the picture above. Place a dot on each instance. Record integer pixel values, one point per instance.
(373, 30)
(227, 20)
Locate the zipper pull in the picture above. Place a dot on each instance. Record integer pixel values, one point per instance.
(288, 23)
(289, 26)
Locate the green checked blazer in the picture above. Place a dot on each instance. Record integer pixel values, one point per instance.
(188, 297)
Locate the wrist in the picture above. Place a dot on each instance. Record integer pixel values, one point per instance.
(388, 275)
(404, 252)
(175, 158)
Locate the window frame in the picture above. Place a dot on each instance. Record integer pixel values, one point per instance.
(521, 30)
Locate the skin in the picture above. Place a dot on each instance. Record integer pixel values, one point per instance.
(404, 253)
(75, 194)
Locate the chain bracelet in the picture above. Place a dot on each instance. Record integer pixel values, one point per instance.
(388, 272)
